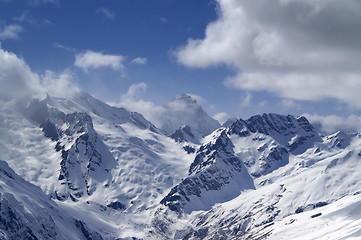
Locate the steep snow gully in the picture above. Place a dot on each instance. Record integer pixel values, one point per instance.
(77, 168)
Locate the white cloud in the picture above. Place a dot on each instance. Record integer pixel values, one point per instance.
(107, 13)
(303, 85)
(61, 46)
(24, 17)
(135, 90)
(132, 100)
(288, 104)
(332, 123)
(139, 61)
(296, 49)
(10, 32)
(173, 113)
(16, 78)
(59, 84)
(91, 59)
(221, 117)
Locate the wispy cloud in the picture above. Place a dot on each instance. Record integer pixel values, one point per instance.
(332, 123)
(139, 61)
(133, 100)
(246, 100)
(135, 90)
(24, 17)
(61, 46)
(91, 59)
(107, 13)
(40, 2)
(288, 104)
(162, 116)
(310, 51)
(221, 117)
(196, 97)
(47, 22)
(10, 32)
(59, 84)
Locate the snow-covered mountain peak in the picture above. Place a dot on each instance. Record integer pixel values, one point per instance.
(297, 134)
(340, 139)
(186, 98)
(272, 123)
(84, 102)
(185, 111)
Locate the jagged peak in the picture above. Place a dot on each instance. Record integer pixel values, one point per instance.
(272, 122)
(186, 98)
(184, 110)
(340, 139)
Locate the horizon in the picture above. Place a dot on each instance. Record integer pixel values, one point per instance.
(236, 58)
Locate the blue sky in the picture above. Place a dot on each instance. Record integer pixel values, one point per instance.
(237, 57)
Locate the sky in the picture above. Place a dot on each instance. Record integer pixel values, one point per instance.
(237, 58)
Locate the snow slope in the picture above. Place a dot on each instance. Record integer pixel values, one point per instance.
(27, 213)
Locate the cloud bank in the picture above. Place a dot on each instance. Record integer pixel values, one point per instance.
(331, 124)
(295, 49)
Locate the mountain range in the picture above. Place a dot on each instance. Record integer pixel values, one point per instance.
(78, 168)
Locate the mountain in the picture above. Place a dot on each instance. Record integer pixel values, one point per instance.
(294, 175)
(185, 120)
(221, 165)
(27, 213)
(215, 169)
(91, 157)
(87, 170)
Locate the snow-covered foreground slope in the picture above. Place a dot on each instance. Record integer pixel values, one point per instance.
(27, 213)
(113, 174)
(339, 220)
